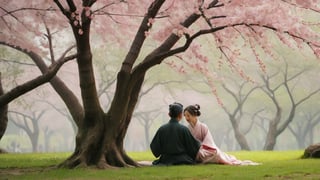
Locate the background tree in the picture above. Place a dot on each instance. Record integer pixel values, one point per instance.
(146, 119)
(30, 124)
(100, 134)
(236, 115)
(47, 133)
(279, 122)
(303, 128)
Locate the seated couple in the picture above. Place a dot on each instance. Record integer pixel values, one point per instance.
(175, 144)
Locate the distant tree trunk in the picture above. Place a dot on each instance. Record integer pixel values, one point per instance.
(241, 139)
(47, 136)
(146, 119)
(146, 132)
(34, 143)
(303, 129)
(272, 134)
(3, 113)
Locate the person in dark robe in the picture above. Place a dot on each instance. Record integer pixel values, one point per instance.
(173, 144)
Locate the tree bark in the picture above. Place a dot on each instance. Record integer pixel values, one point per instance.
(241, 139)
(3, 113)
(99, 141)
(272, 134)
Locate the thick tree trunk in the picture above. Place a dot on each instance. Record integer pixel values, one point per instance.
(3, 113)
(101, 143)
(100, 136)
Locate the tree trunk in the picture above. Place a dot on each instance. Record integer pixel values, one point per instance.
(100, 136)
(240, 137)
(101, 143)
(47, 139)
(272, 134)
(3, 113)
(34, 143)
(271, 137)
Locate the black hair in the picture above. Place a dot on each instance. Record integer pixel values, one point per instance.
(175, 109)
(194, 110)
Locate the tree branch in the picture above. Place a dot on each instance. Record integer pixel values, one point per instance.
(25, 127)
(71, 5)
(62, 9)
(49, 37)
(140, 37)
(25, 9)
(30, 85)
(69, 98)
(308, 97)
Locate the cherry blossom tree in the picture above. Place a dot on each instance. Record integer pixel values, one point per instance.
(172, 26)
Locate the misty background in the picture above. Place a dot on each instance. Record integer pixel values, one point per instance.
(40, 122)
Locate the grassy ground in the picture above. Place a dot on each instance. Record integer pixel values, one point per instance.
(276, 165)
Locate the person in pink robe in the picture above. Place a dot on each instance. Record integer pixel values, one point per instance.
(209, 151)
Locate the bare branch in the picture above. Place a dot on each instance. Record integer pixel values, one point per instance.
(231, 93)
(49, 37)
(308, 97)
(26, 126)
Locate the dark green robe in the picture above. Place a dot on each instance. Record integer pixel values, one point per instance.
(174, 144)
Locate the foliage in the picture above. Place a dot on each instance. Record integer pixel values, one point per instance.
(276, 165)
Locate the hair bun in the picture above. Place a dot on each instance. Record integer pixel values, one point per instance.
(197, 106)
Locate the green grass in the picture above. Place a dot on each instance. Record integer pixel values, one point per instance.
(276, 165)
